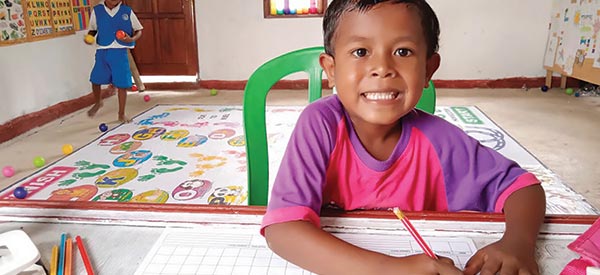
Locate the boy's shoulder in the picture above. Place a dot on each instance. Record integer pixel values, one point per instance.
(325, 112)
(434, 127)
(329, 106)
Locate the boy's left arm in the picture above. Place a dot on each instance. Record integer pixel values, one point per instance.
(137, 29)
(524, 212)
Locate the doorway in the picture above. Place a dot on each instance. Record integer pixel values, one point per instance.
(168, 45)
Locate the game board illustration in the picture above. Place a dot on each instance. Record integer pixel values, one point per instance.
(195, 154)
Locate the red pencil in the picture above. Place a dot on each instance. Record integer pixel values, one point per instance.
(414, 233)
(84, 256)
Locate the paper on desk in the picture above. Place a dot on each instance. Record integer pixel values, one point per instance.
(202, 251)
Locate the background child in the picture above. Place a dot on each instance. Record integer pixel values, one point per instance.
(112, 65)
(368, 148)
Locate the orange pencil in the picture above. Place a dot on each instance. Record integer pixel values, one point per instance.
(68, 256)
(414, 233)
(84, 256)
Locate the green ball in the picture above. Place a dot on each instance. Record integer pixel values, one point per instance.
(569, 91)
(39, 161)
(213, 91)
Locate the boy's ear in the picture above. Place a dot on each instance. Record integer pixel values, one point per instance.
(328, 64)
(433, 63)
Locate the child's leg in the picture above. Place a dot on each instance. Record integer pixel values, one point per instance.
(121, 77)
(122, 102)
(96, 90)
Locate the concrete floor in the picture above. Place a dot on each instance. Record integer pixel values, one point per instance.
(562, 131)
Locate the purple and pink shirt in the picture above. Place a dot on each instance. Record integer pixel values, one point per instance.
(435, 166)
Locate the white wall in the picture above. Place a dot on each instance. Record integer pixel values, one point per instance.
(234, 38)
(37, 75)
(481, 39)
(492, 39)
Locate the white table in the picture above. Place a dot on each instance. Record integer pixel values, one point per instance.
(117, 241)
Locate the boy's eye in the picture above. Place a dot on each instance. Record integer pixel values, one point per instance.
(403, 52)
(360, 52)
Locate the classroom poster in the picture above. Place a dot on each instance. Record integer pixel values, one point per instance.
(574, 34)
(552, 43)
(12, 23)
(62, 17)
(596, 38)
(596, 56)
(82, 9)
(40, 20)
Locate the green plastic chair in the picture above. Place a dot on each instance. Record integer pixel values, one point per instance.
(255, 96)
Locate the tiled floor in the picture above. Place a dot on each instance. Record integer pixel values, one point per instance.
(562, 131)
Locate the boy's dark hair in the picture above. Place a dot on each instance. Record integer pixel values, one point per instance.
(335, 10)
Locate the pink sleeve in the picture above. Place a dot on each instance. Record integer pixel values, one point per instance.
(522, 181)
(288, 214)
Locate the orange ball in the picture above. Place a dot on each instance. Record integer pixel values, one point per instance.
(120, 34)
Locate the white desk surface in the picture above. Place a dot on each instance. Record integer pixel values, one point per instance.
(119, 246)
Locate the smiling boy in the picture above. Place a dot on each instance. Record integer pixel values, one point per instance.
(369, 148)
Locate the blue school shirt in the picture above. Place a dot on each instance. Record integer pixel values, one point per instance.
(108, 26)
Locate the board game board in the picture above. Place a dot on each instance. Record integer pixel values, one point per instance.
(195, 154)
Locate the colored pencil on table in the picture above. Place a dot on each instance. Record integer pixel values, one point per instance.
(414, 233)
(61, 253)
(54, 260)
(84, 256)
(68, 256)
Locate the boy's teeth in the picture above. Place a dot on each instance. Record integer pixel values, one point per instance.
(380, 96)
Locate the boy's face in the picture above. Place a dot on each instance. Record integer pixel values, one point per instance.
(111, 3)
(380, 66)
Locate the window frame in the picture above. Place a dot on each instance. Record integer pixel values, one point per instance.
(267, 11)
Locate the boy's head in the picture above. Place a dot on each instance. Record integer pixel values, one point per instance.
(112, 3)
(337, 9)
(379, 56)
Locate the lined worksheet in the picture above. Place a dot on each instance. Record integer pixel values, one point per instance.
(244, 252)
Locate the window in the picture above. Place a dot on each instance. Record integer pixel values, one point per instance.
(294, 8)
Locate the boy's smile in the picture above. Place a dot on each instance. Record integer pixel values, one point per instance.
(380, 63)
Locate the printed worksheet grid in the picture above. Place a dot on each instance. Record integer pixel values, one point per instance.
(189, 251)
(456, 249)
(220, 260)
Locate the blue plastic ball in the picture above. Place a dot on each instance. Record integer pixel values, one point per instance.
(577, 94)
(20, 192)
(103, 127)
(544, 88)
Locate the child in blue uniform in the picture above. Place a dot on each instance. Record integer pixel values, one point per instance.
(111, 65)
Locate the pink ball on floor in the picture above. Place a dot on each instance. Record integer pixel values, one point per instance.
(146, 98)
(8, 171)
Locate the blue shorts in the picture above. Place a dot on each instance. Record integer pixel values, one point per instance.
(112, 67)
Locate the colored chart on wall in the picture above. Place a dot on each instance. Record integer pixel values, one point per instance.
(40, 17)
(196, 154)
(62, 15)
(81, 14)
(12, 22)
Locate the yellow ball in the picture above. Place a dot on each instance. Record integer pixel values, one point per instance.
(67, 149)
(88, 39)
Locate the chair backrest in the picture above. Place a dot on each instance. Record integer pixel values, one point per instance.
(255, 96)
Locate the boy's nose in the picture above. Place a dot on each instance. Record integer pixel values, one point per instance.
(381, 66)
